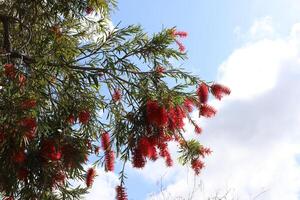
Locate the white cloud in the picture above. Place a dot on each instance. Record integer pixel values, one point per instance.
(262, 28)
(255, 136)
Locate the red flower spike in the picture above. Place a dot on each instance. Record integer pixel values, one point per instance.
(176, 117)
(198, 129)
(54, 156)
(30, 134)
(58, 179)
(163, 149)
(169, 161)
(188, 104)
(22, 80)
(121, 193)
(71, 119)
(116, 95)
(23, 174)
(89, 10)
(50, 152)
(19, 157)
(105, 140)
(156, 115)
(90, 176)
(160, 70)
(197, 165)
(109, 161)
(207, 111)
(145, 146)
(153, 153)
(204, 151)
(181, 34)
(202, 93)
(84, 116)
(86, 158)
(28, 104)
(219, 91)
(138, 160)
(180, 46)
(10, 70)
(28, 123)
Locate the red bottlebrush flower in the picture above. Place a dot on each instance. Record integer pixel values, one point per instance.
(10, 70)
(204, 151)
(109, 161)
(84, 116)
(90, 176)
(156, 115)
(28, 104)
(86, 157)
(145, 146)
(188, 104)
(181, 34)
(176, 117)
(28, 123)
(89, 10)
(22, 80)
(207, 110)
(163, 149)
(116, 95)
(71, 119)
(138, 160)
(197, 165)
(30, 134)
(19, 157)
(165, 137)
(202, 93)
(105, 140)
(160, 70)
(121, 193)
(198, 129)
(169, 161)
(58, 179)
(23, 174)
(180, 46)
(54, 156)
(219, 90)
(153, 153)
(49, 151)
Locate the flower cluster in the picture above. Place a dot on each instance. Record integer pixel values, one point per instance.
(109, 154)
(121, 193)
(165, 122)
(90, 175)
(181, 34)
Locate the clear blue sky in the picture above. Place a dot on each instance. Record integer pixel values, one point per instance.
(211, 25)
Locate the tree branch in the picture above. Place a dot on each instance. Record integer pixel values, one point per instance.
(6, 40)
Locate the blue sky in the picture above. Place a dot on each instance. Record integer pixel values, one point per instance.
(252, 46)
(211, 24)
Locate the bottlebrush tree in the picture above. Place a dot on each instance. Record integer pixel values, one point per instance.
(72, 85)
